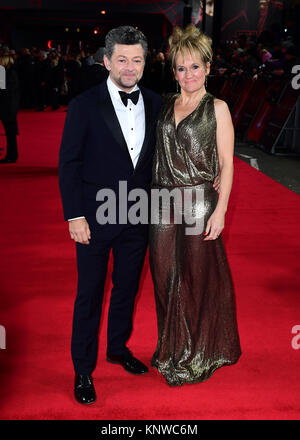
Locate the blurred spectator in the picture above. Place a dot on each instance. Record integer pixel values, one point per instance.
(25, 67)
(9, 104)
(72, 70)
(290, 59)
(56, 80)
(42, 80)
(158, 73)
(94, 73)
(265, 55)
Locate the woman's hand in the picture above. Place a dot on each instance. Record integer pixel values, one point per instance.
(215, 225)
(216, 183)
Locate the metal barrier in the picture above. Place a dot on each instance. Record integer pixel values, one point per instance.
(243, 117)
(264, 113)
(282, 134)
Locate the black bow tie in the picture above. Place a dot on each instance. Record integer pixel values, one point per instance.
(134, 96)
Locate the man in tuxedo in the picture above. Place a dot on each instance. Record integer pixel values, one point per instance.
(108, 137)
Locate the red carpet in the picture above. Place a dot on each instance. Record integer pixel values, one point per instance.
(37, 282)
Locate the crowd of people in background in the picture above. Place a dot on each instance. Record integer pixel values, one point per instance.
(257, 58)
(37, 78)
(50, 78)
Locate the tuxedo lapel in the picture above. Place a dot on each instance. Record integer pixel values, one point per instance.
(148, 125)
(109, 116)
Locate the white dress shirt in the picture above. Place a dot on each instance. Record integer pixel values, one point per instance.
(131, 120)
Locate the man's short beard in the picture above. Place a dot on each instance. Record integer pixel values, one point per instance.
(125, 86)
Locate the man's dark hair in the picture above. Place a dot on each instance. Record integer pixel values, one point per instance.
(124, 35)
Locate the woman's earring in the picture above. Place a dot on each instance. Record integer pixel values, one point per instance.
(206, 81)
(177, 87)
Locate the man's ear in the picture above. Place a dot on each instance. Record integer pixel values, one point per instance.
(106, 62)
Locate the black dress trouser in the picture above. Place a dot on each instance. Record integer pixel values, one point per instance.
(129, 248)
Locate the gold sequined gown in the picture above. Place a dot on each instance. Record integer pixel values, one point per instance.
(195, 304)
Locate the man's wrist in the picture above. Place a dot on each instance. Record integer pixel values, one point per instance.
(75, 218)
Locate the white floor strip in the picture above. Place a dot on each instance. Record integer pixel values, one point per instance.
(253, 160)
(254, 163)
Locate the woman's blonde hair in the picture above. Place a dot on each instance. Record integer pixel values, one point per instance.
(192, 40)
(7, 61)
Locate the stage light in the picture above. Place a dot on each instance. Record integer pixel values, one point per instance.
(96, 31)
(67, 29)
(103, 12)
(78, 30)
(49, 44)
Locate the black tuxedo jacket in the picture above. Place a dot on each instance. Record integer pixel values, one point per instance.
(94, 154)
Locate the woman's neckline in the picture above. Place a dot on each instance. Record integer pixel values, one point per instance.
(187, 116)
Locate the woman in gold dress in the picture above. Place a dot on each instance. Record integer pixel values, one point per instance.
(195, 304)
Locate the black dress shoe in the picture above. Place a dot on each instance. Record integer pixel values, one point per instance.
(84, 390)
(128, 362)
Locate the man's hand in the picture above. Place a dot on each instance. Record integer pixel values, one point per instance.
(80, 231)
(216, 183)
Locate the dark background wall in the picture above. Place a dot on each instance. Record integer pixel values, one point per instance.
(250, 16)
(34, 22)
